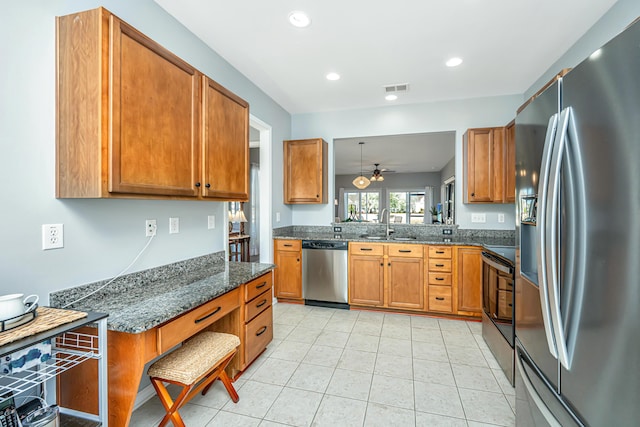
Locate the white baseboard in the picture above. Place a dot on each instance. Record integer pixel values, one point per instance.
(143, 395)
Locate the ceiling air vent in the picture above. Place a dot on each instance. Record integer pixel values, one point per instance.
(402, 87)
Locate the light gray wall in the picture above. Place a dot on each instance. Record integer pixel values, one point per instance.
(401, 119)
(101, 236)
(448, 171)
(621, 14)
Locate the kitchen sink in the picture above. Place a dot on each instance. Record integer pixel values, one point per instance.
(366, 236)
(404, 239)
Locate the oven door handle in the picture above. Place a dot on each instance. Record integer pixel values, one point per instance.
(487, 258)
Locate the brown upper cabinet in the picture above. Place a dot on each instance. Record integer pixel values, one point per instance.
(510, 163)
(485, 159)
(136, 121)
(226, 144)
(305, 171)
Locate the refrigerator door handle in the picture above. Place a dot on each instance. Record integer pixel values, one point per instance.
(542, 248)
(533, 394)
(574, 231)
(552, 236)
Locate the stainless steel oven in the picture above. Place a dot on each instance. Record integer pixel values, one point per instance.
(498, 329)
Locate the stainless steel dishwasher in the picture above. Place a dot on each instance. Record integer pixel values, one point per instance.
(324, 273)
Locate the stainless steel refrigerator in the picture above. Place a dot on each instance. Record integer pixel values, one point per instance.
(578, 244)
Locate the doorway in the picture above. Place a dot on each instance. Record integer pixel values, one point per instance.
(261, 140)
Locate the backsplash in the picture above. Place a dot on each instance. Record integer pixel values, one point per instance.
(417, 230)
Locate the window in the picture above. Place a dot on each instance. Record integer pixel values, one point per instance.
(407, 207)
(362, 205)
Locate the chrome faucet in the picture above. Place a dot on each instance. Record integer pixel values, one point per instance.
(388, 230)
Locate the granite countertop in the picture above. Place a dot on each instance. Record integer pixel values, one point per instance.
(421, 240)
(141, 301)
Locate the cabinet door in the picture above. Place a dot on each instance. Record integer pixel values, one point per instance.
(406, 283)
(510, 164)
(479, 150)
(498, 165)
(288, 274)
(305, 171)
(226, 144)
(366, 280)
(154, 116)
(469, 281)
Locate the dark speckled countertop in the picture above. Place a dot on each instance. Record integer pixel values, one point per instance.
(423, 234)
(421, 240)
(140, 301)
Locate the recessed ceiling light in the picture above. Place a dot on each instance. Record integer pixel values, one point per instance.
(391, 97)
(595, 55)
(454, 62)
(333, 76)
(299, 19)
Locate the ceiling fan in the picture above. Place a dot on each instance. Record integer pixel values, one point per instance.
(377, 173)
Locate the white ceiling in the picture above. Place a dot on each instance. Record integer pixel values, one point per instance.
(506, 46)
(420, 152)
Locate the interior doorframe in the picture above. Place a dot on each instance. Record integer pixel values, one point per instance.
(265, 174)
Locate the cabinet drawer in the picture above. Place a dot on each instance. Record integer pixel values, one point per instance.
(410, 251)
(288, 245)
(440, 298)
(362, 248)
(258, 334)
(258, 305)
(439, 252)
(257, 286)
(440, 265)
(189, 324)
(440, 279)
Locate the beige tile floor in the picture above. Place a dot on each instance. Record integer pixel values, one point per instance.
(329, 367)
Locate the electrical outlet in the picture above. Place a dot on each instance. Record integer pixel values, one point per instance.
(478, 217)
(500, 217)
(211, 222)
(174, 225)
(52, 236)
(277, 216)
(150, 227)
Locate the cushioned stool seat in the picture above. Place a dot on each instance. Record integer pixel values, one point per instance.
(194, 366)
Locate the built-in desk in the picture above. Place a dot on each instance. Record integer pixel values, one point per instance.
(211, 297)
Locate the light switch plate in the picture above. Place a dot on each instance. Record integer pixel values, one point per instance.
(500, 217)
(211, 222)
(174, 225)
(478, 217)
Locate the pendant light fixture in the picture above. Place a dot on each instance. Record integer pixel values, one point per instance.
(361, 182)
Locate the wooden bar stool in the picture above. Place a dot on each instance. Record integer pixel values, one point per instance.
(194, 366)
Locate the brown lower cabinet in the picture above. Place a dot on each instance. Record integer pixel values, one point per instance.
(258, 317)
(425, 278)
(469, 281)
(287, 256)
(440, 282)
(386, 275)
(366, 279)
